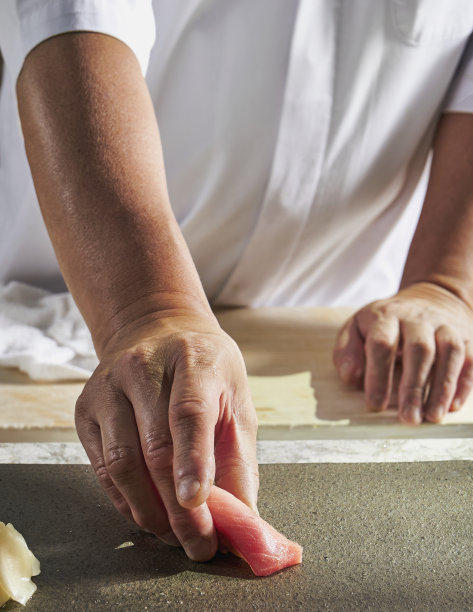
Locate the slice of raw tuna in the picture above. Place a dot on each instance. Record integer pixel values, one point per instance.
(240, 528)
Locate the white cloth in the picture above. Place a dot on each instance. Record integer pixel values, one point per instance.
(296, 136)
(44, 334)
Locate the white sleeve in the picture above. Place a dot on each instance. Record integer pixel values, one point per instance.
(460, 94)
(26, 23)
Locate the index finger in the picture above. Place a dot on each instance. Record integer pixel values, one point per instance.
(213, 426)
(380, 348)
(193, 412)
(193, 526)
(418, 354)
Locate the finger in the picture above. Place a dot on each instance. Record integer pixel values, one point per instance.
(126, 467)
(91, 439)
(465, 380)
(348, 354)
(194, 407)
(380, 349)
(449, 359)
(193, 527)
(417, 359)
(235, 451)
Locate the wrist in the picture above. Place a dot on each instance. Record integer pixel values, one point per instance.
(447, 286)
(154, 308)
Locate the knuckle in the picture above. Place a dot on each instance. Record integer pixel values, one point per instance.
(158, 451)
(455, 351)
(383, 309)
(186, 457)
(376, 308)
(381, 347)
(121, 463)
(195, 352)
(446, 387)
(140, 368)
(87, 430)
(413, 394)
(99, 390)
(134, 360)
(82, 406)
(386, 311)
(187, 410)
(453, 345)
(422, 349)
(101, 383)
(102, 474)
(97, 386)
(82, 414)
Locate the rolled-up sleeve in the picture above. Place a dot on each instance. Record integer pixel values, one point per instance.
(26, 23)
(460, 95)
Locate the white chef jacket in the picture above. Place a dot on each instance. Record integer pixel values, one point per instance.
(296, 134)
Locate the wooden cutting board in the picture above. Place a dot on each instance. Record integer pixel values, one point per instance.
(291, 348)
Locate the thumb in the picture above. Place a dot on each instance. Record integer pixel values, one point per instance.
(235, 453)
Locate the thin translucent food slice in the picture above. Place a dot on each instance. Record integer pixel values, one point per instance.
(17, 565)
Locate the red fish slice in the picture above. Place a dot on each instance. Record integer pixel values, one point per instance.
(260, 545)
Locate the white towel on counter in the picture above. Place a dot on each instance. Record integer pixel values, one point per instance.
(43, 334)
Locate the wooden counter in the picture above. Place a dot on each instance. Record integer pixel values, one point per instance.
(274, 342)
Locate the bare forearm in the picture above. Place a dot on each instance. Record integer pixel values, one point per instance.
(441, 251)
(95, 154)
(167, 411)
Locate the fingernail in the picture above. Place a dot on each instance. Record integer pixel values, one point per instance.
(412, 415)
(200, 549)
(374, 407)
(436, 414)
(375, 403)
(188, 488)
(170, 539)
(456, 405)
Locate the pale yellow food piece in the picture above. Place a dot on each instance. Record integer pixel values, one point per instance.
(17, 565)
(4, 597)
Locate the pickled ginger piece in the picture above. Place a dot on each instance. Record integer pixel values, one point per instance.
(17, 565)
(252, 538)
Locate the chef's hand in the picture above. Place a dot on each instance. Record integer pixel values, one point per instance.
(427, 328)
(167, 412)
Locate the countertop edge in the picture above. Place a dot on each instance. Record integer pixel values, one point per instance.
(277, 451)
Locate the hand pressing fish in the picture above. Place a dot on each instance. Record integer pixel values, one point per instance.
(239, 529)
(249, 536)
